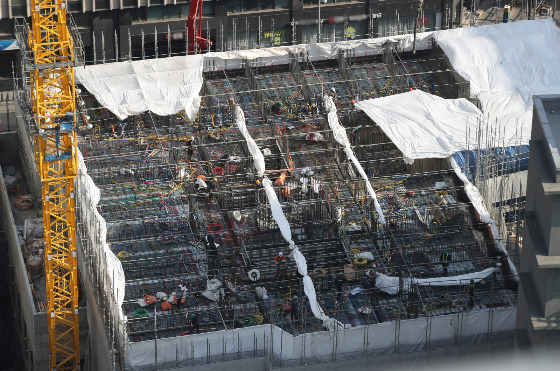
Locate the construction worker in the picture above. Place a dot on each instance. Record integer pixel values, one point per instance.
(212, 186)
(190, 150)
(279, 260)
(209, 242)
(445, 258)
(195, 326)
(471, 294)
(283, 270)
(338, 284)
(294, 309)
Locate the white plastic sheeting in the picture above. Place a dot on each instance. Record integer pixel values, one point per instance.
(258, 158)
(506, 65)
(298, 257)
(282, 222)
(391, 286)
(423, 125)
(164, 86)
(412, 334)
(478, 203)
(340, 136)
(315, 52)
(90, 196)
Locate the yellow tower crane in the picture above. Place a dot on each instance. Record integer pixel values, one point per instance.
(53, 95)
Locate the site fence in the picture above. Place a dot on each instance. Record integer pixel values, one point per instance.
(283, 349)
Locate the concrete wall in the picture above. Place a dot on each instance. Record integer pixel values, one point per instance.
(26, 306)
(97, 354)
(539, 298)
(7, 112)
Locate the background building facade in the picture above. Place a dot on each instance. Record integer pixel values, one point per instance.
(144, 28)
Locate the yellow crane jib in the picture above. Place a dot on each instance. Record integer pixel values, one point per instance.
(53, 95)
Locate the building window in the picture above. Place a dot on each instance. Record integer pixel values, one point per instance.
(155, 13)
(207, 8)
(82, 19)
(74, 6)
(101, 4)
(238, 6)
(266, 4)
(234, 6)
(316, 2)
(129, 3)
(172, 11)
(283, 4)
(250, 5)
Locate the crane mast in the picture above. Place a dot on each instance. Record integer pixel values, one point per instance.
(54, 110)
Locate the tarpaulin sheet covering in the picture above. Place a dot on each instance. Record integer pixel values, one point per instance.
(258, 157)
(509, 160)
(89, 198)
(340, 136)
(315, 52)
(282, 222)
(391, 285)
(423, 125)
(506, 64)
(412, 334)
(164, 86)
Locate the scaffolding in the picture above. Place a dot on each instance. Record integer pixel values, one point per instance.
(183, 210)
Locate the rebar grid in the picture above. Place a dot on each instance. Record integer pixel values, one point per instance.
(159, 221)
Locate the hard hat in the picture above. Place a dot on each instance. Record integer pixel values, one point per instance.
(472, 281)
(280, 253)
(295, 296)
(444, 250)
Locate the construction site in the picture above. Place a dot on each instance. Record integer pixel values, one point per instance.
(278, 221)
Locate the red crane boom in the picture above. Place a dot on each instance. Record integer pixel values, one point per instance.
(193, 35)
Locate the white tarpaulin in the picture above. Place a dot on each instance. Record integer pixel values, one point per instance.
(340, 136)
(391, 285)
(315, 52)
(164, 86)
(506, 65)
(258, 158)
(423, 125)
(282, 222)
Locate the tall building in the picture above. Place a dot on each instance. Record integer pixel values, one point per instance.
(110, 28)
(538, 315)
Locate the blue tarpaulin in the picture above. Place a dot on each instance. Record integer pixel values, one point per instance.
(507, 160)
(6, 45)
